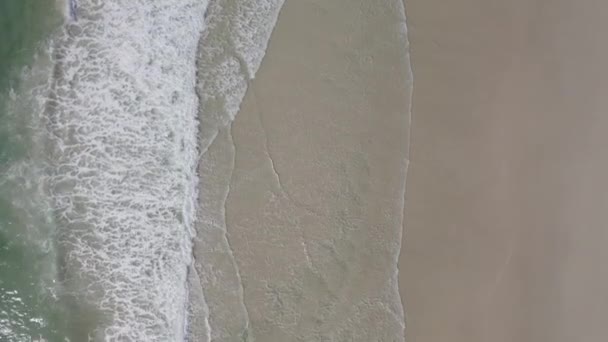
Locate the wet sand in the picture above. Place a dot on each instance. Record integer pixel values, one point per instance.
(506, 201)
(309, 182)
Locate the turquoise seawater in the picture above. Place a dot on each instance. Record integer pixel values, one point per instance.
(29, 310)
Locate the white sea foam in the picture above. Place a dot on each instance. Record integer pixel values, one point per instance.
(122, 121)
(122, 126)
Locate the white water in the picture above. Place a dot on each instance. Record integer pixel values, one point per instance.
(122, 126)
(123, 140)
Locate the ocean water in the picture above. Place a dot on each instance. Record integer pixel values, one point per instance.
(29, 307)
(102, 122)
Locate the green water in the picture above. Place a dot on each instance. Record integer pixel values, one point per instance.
(28, 309)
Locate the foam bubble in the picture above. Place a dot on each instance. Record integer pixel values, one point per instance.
(121, 118)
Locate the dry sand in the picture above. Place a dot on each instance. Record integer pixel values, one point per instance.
(309, 182)
(506, 202)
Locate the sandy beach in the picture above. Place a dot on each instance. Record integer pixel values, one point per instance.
(310, 178)
(505, 202)
(303, 171)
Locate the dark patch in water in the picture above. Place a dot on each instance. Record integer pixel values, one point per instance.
(73, 10)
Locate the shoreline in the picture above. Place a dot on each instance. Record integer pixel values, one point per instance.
(224, 68)
(308, 179)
